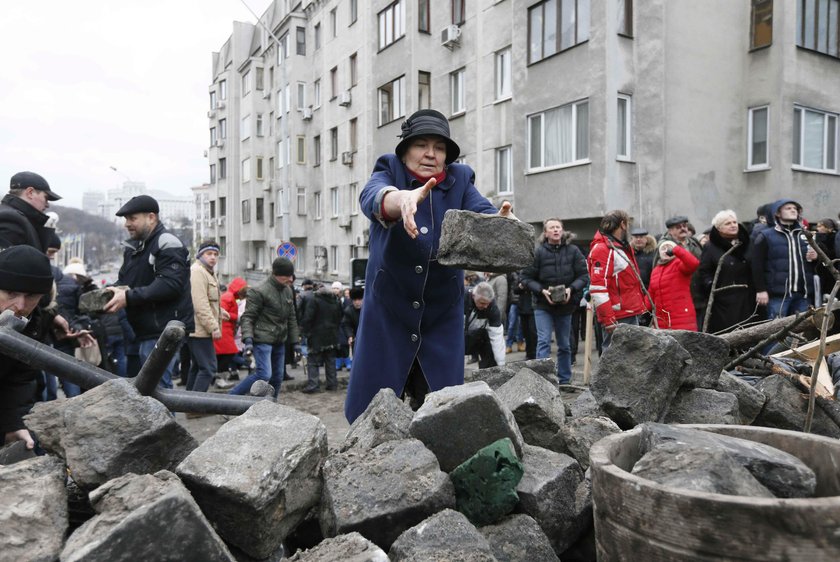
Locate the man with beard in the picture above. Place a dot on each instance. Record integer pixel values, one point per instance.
(156, 273)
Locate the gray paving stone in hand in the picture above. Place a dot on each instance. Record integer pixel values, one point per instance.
(481, 242)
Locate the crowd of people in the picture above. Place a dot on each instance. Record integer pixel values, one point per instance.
(412, 327)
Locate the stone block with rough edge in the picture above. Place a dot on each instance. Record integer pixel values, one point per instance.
(447, 535)
(386, 418)
(94, 302)
(782, 473)
(554, 492)
(485, 484)
(258, 476)
(518, 538)
(579, 434)
(787, 406)
(638, 375)
(457, 421)
(709, 354)
(499, 375)
(351, 547)
(482, 242)
(108, 431)
(33, 516)
(750, 399)
(382, 491)
(703, 405)
(536, 404)
(700, 469)
(585, 405)
(144, 517)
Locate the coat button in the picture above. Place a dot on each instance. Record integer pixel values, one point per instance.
(418, 269)
(414, 337)
(424, 230)
(415, 304)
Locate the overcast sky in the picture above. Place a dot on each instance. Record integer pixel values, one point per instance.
(86, 85)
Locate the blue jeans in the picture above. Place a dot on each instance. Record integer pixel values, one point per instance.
(271, 363)
(786, 305)
(561, 324)
(605, 343)
(145, 349)
(203, 364)
(514, 333)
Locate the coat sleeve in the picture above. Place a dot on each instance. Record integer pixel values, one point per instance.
(708, 266)
(17, 395)
(12, 231)
(530, 275)
(292, 330)
(253, 306)
(759, 259)
(600, 269)
(381, 181)
(202, 308)
(688, 262)
(171, 274)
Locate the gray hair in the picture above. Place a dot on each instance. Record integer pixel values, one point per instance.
(722, 216)
(484, 290)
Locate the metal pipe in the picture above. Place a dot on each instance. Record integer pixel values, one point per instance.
(204, 402)
(165, 349)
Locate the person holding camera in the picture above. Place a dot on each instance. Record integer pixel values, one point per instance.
(483, 332)
(557, 278)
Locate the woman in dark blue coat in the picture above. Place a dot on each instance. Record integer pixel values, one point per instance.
(411, 330)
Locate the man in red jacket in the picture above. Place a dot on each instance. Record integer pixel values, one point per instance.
(614, 284)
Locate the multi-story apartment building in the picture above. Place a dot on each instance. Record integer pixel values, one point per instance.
(569, 108)
(203, 225)
(172, 207)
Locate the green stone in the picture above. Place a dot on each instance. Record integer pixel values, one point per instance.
(485, 484)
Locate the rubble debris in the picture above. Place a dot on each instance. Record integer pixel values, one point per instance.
(351, 547)
(497, 376)
(708, 353)
(386, 418)
(536, 405)
(482, 242)
(447, 535)
(703, 405)
(750, 399)
(786, 407)
(518, 538)
(579, 434)
(585, 405)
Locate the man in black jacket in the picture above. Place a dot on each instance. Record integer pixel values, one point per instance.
(156, 271)
(556, 262)
(320, 324)
(22, 217)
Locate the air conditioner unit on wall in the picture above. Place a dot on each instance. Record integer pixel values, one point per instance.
(361, 241)
(344, 221)
(307, 113)
(347, 158)
(450, 36)
(211, 114)
(220, 142)
(344, 98)
(249, 265)
(220, 221)
(220, 104)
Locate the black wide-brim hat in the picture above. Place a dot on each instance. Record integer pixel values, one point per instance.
(424, 123)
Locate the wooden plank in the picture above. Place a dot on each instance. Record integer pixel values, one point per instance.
(808, 352)
(587, 345)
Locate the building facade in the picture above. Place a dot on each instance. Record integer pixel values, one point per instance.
(172, 207)
(569, 108)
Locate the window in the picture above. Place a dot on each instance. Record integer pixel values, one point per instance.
(334, 258)
(245, 127)
(333, 23)
(246, 211)
(246, 83)
(223, 90)
(271, 167)
(301, 95)
(223, 245)
(818, 25)
(281, 152)
(316, 203)
(354, 11)
(271, 78)
(213, 100)
(212, 136)
(392, 101)
(300, 41)
(503, 74)
(458, 16)
(559, 136)
(316, 93)
(283, 48)
(354, 71)
(556, 25)
(456, 87)
(287, 102)
(316, 150)
(301, 150)
(333, 82)
(757, 138)
(222, 206)
(504, 181)
(212, 209)
(222, 169)
(424, 17)
(301, 200)
(391, 24)
(259, 125)
(317, 36)
(246, 170)
(222, 128)
(333, 143)
(281, 201)
(271, 214)
(625, 127)
(354, 198)
(814, 140)
(259, 167)
(212, 173)
(354, 134)
(259, 78)
(335, 204)
(260, 211)
(424, 90)
(625, 17)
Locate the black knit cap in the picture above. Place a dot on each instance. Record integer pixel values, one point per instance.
(55, 241)
(25, 270)
(139, 204)
(283, 266)
(423, 123)
(357, 293)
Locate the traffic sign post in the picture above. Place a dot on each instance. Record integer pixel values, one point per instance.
(287, 250)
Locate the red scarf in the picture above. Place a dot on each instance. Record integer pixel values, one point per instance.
(438, 177)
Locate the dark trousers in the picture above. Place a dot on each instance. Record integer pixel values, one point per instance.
(485, 354)
(529, 331)
(202, 364)
(416, 386)
(327, 358)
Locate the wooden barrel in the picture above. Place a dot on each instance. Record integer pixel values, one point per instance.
(638, 519)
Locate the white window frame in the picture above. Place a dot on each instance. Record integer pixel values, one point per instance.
(504, 173)
(245, 127)
(301, 95)
(354, 199)
(301, 200)
(335, 202)
(316, 202)
(246, 83)
(260, 127)
(246, 170)
(391, 24)
(288, 94)
(575, 161)
(334, 259)
(396, 90)
(456, 90)
(316, 93)
(627, 155)
(503, 75)
(751, 143)
(828, 117)
(281, 154)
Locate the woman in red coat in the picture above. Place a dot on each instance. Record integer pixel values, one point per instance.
(226, 345)
(670, 287)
